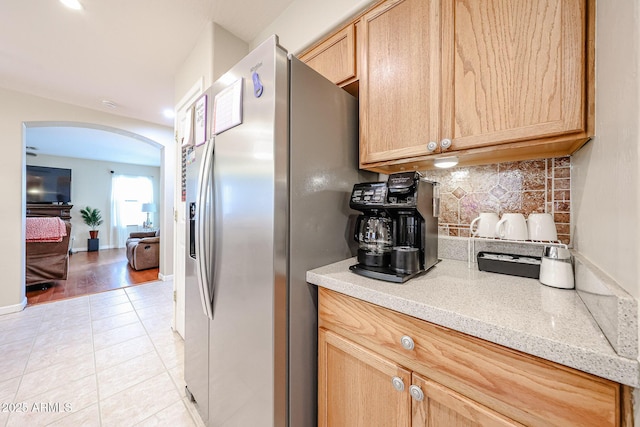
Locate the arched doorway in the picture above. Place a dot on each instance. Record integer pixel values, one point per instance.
(96, 152)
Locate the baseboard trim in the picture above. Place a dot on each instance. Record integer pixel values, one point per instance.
(165, 278)
(13, 308)
(85, 249)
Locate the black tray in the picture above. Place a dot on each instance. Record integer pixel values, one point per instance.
(513, 265)
(383, 273)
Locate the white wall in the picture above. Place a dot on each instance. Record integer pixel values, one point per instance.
(306, 21)
(605, 190)
(15, 109)
(166, 208)
(216, 51)
(605, 172)
(227, 50)
(197, 67)
(91, 186)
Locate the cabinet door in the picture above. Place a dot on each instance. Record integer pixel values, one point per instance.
(399, 80)
(335, 58)
(514, 70)
(355, 386)
(442, 407)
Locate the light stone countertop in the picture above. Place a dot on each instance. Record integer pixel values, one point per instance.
(515, 312)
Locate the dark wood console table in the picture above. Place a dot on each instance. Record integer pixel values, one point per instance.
(38, 210)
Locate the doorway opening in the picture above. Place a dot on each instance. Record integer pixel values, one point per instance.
(94, 154)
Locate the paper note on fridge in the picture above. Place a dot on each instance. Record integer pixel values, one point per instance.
(200, 120)
(186, 127)
(227, 107)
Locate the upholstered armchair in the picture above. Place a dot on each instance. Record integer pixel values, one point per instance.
(143, 250)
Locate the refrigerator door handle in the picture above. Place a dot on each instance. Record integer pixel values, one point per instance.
(204, 227)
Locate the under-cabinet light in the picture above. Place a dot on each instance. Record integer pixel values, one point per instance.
(445, 162)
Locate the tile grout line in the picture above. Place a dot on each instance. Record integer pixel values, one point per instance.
(95, 363)
(95, 373)
(548, 196)
(130, 301)
(33, 341)
(166, 370)
(553, 190)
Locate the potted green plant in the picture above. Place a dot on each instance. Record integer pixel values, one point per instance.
(93, 218)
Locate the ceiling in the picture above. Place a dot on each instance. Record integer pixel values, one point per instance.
(123, 51)
(92, 143)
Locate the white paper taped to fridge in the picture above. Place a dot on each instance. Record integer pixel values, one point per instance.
(227, 108)
(200, 120)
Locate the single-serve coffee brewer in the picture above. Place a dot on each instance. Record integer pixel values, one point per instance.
(397, 233)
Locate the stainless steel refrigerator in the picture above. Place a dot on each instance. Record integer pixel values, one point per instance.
(268, 199)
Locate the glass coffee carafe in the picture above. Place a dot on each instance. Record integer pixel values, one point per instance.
(375, 240)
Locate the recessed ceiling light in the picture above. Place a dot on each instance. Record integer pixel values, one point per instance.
(169, 113)
(72, 4)
(109, 104)
(445, 162)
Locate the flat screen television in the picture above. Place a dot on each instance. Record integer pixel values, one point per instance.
(48, 185)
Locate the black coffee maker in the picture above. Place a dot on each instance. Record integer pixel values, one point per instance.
(397, 233)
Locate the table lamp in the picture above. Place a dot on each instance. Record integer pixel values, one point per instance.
(148, 208)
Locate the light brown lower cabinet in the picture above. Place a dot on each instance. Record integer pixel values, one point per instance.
(356, 386)
(378, 367)
(441, 406)
(361, 388)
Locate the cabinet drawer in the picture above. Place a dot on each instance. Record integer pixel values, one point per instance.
(525, 388)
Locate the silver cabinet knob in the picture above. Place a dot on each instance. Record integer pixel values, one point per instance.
(416, 393)
(431, 146)
(445, 143)
(407, 342)
(398, 384)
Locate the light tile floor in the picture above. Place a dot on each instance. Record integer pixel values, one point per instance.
(109, 359)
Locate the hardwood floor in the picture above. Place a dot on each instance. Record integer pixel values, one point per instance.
(93, 272)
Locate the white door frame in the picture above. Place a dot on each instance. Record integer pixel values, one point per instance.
(179, 212)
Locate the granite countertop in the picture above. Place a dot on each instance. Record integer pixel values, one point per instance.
(515, 312)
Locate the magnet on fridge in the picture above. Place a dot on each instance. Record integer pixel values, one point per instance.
(257, 85)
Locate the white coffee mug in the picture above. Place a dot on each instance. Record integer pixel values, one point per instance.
(486, 225)
(542, 227)
(512, 226)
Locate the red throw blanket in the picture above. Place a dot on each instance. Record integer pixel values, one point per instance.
(49, 229)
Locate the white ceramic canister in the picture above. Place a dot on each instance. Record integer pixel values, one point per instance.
(556, 268)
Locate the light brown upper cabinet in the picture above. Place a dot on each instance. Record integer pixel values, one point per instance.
(335, 57)
(400, 80)
(489, 81)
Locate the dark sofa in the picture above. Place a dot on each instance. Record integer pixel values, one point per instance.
(47, 261)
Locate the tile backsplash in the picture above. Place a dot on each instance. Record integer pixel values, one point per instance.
(532, 186)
